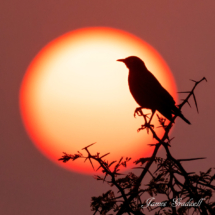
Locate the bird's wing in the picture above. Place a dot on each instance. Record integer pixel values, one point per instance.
(156, 89)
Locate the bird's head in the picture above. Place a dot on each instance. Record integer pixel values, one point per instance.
(132, 62)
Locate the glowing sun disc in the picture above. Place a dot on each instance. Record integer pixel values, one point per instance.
(75, 93)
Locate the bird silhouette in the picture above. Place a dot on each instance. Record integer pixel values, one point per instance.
(148, 92)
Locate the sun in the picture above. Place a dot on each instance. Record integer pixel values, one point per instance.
(75, 93)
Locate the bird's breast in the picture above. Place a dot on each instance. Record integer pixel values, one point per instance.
(139, 90)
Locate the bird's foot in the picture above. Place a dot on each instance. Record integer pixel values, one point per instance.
(138, 111)
(146, 126)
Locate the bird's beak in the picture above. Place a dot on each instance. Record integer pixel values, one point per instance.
(122, 60)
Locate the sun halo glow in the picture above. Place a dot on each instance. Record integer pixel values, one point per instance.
(75, 93)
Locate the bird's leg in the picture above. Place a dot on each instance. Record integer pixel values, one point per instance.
(153, 112)
(147, 124)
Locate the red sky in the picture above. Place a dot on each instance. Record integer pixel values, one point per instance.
(181, 31)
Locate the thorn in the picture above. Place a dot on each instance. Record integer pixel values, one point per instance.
(99, 168)
(188, 103)
(91, 163)
(195, 102)
(184, 92)
(193, 80)
(191, 159)
(105, 155)
(88, 146)
(171, 139)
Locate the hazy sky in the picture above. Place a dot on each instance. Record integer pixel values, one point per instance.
(182, 32)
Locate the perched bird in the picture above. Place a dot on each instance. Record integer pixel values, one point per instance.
(148, 92)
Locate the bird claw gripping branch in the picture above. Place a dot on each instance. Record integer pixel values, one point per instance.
(147, 125)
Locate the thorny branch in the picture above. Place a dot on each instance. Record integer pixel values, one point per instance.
(164, 181)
